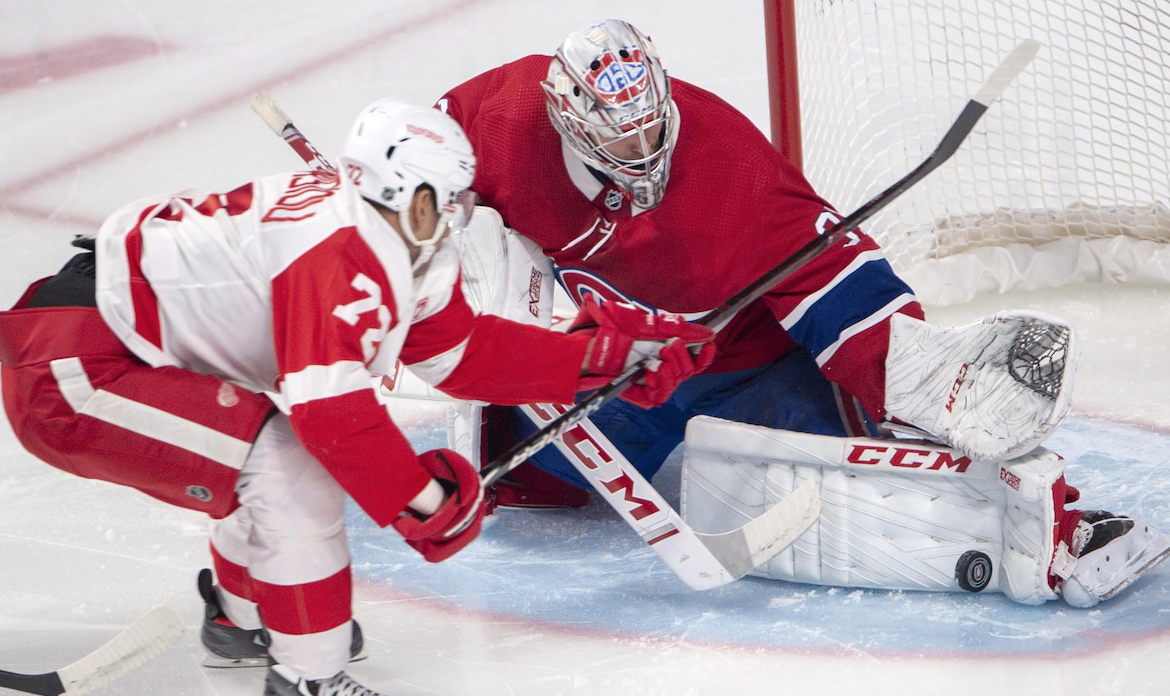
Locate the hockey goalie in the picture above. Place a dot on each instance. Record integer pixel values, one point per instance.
(638, 187)
(897, 512)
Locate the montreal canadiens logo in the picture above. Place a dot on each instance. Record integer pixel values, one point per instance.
(619, 81)
(583, 286)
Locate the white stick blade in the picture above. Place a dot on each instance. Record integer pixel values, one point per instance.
(147, 637)
(267, 109)
(742, 550)
(1007, 71)
(769, 534)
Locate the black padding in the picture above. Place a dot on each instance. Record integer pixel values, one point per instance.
(73, 286)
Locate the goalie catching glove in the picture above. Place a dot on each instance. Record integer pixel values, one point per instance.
(448, 514)
(624, 335)
(993, 390)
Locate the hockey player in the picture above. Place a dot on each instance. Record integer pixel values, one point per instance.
(649, 190)
(222, 356)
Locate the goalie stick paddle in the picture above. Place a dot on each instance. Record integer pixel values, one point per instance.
(147, 637)
(700, 560)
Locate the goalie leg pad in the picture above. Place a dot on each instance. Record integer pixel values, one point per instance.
(480, 433)
(896, 514)
(465, 431)
(1029, 524)
(992, 390)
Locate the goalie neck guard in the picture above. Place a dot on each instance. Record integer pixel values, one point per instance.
(395, 149)
(609, 97)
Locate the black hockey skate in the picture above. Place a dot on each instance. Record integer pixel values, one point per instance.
(229, 646)
(282, 682)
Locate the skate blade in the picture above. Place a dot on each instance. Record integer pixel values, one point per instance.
(216, 662)
(1142, 571)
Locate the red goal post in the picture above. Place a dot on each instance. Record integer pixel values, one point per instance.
(1067, 180)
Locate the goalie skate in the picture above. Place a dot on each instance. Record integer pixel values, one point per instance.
(993, 390)
(1112, 552)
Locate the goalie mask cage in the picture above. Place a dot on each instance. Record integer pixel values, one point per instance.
(1067, 180)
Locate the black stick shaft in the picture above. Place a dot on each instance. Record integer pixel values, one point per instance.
(44, 684)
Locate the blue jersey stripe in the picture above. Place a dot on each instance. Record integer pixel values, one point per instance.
(854, 298)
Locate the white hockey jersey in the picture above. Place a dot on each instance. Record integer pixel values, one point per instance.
(294, 286)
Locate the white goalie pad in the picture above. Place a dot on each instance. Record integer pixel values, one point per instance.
(465, 430)
(507, 275)
(895, 514)
(504, 274)
(992, 390)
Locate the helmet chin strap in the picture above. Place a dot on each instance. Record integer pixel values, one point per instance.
(424, 257)
(426, 249)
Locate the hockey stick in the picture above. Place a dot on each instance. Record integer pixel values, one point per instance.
(991, 89)
(267, 109)
(147, 637)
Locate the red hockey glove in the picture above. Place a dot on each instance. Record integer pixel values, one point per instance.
(623, 335)
(458, 520)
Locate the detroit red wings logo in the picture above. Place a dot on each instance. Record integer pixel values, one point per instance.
(304, 192)
(619, 81)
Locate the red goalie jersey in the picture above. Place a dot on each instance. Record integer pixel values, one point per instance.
(696, 248)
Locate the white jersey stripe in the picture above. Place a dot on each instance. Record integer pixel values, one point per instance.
(436, 369)
(324, 381)
(143, 419)
(799, 311)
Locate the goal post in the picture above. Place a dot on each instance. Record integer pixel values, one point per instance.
(783, 78)
(1067, 180)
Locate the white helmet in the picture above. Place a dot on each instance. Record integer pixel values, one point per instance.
(606, 82)
(394, 148)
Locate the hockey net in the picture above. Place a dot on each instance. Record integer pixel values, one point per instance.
(1067, 178)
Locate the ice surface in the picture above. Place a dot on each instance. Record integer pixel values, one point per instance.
(102, 102)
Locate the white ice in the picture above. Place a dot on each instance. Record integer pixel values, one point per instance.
(104, 101)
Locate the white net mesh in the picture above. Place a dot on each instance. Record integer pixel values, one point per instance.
(1076, 149)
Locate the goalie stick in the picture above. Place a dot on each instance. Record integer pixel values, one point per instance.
(713, 559)
(147, 637)
(700, 560)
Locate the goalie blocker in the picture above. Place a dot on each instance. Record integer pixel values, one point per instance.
(912, 515)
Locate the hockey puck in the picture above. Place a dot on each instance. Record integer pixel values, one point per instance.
(973, 571)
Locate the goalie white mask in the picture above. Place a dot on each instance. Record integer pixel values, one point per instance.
(609, 98)
(394, 149)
